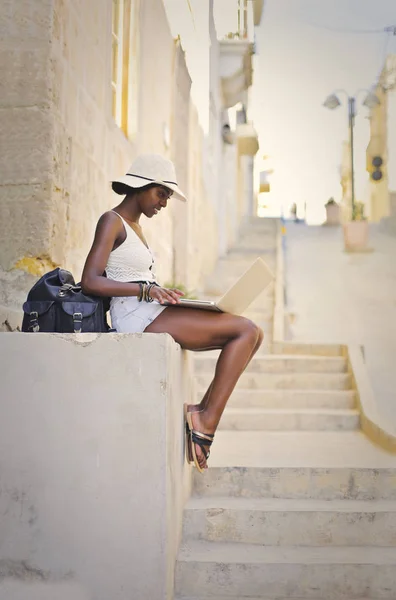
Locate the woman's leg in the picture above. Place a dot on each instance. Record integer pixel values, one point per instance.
(195, 329)
(202, 404)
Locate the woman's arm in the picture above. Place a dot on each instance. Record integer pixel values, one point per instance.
(108, 229)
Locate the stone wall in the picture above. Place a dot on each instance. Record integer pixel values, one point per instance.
(93, 474)
(62, 146)
(26, 159)
(180, 135)
(99, 149)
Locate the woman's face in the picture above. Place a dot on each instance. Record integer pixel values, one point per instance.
(154, 199)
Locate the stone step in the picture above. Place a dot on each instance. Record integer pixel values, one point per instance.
(308, 349)
(274, 522)
(265, 598)
(300, 449)
(259, 316)
(262, 419)
(235, 266)
(244, 570)
(297, 483)
(265, 236)
(287, 381)
(292, 399)
(267, 251)
(280, 364)
(260, 242)
(267, 224)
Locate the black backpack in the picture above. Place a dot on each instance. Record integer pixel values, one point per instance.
(56, 304)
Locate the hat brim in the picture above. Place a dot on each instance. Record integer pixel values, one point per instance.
(137, 182)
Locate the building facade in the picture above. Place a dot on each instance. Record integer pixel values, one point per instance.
(222, 73)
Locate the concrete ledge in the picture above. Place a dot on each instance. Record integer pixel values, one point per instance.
(372, 423)
(93, 476)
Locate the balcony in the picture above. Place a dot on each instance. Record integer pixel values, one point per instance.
(235, 69)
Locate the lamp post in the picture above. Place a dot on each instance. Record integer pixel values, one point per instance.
(332, 102)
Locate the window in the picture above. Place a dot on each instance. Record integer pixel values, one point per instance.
(125, 47)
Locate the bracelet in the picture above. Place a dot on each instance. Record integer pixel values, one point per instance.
(148, 297)
(144, 291)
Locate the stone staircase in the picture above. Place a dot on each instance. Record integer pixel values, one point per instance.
(297, 503)
(258, 238)
(287, 393)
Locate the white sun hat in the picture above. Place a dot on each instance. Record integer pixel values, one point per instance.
(147, 169)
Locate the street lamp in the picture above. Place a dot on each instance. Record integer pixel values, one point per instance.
(332, 102)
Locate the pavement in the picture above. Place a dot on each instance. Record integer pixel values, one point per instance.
(337, 297)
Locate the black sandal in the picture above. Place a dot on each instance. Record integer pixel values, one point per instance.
(189, 455)
(201, 439)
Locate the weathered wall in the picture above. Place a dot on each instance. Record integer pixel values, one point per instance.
(93, 476)
(26, 158)
(203, 224)
(99, 150)
(61, 146)
(180, 134)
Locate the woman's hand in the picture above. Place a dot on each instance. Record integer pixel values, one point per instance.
(165, 295)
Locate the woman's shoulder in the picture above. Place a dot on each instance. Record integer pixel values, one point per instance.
(110, 218)
(109, 223)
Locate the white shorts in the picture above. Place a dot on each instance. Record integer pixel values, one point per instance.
(128, 315)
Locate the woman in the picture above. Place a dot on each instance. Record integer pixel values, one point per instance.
(137, 301)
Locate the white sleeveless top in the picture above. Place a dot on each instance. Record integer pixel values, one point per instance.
(132, 261)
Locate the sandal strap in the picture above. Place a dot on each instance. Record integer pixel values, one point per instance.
(201, 442)
(208, 437)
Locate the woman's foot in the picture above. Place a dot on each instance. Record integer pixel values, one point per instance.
(194, 408)
(198, 423)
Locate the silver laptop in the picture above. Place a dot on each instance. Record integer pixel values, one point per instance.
(240, 295)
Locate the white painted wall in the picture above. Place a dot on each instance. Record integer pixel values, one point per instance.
(93, 476)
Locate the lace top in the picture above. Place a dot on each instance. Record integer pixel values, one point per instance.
(132, 261)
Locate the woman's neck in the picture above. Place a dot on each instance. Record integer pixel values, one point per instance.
(130, 210)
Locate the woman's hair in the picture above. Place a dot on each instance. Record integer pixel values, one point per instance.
(123, 189)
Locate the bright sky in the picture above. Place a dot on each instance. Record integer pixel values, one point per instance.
(300, 61)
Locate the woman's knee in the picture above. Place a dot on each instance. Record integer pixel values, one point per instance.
(260, 336)
(250, 328)
(256, 332)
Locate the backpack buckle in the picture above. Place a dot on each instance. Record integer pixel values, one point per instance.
(33, 325)
(66, 288)
(77, 322)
